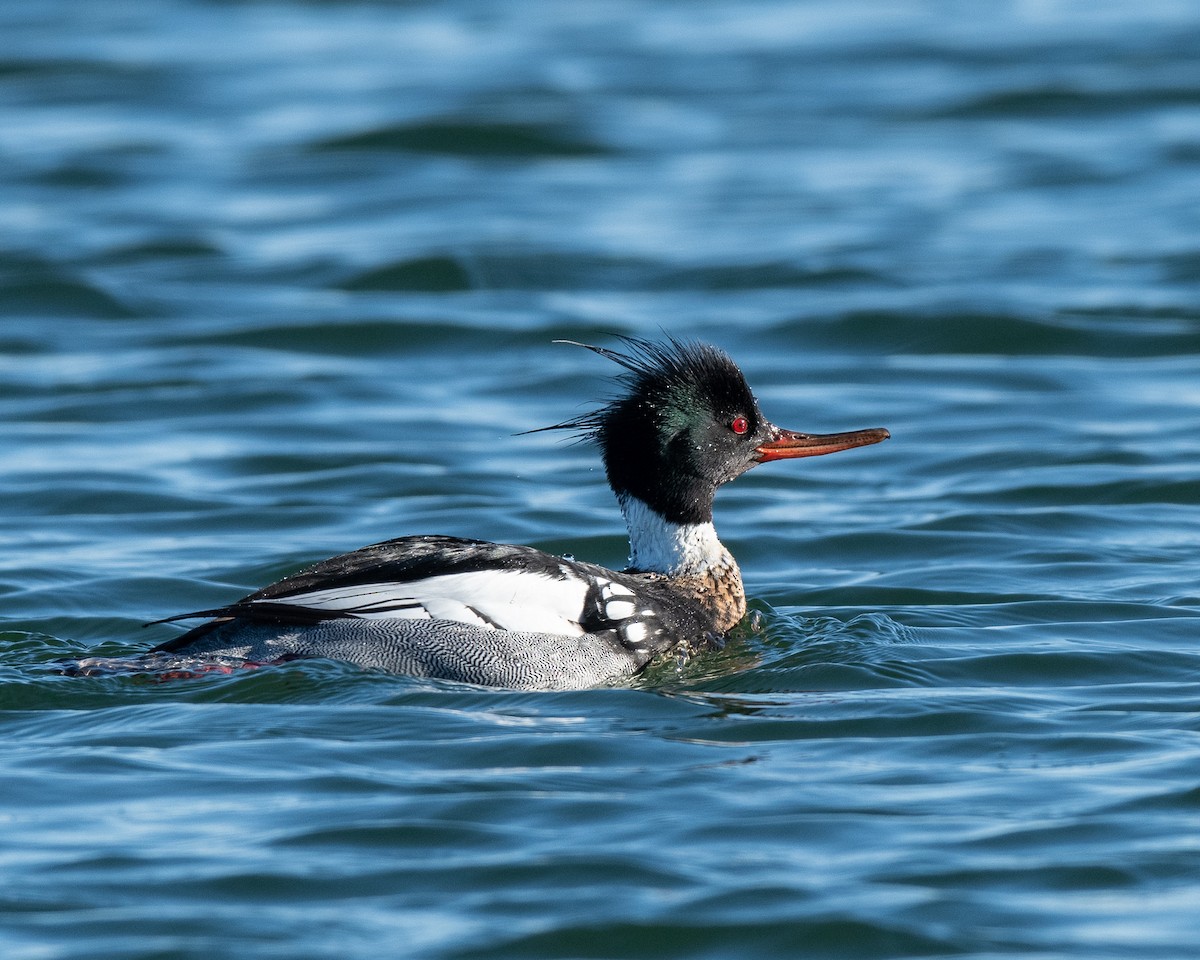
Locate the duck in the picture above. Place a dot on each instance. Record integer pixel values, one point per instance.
(682, 423)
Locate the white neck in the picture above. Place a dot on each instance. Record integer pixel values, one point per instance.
(676, 549)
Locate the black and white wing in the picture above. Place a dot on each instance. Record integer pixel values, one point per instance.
(482, 585)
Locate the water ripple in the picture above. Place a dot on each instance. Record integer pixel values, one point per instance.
(280, 280)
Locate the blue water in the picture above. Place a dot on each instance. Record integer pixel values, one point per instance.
(281, 279)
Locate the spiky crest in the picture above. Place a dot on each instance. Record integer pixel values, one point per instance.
(675, 370)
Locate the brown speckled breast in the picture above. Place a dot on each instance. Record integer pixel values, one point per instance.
(719, 590)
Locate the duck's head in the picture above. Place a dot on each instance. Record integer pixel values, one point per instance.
(687, 422)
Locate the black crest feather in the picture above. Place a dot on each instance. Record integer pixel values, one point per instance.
(679, 371)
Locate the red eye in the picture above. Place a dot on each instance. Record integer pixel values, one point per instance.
(739, 425)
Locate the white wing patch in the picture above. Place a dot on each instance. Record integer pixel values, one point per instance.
(514, 600)
(496, 599)
(635, 626)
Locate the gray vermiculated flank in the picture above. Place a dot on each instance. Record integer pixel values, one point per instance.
(437, 648)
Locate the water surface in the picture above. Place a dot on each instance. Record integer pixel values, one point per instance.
(281, 279)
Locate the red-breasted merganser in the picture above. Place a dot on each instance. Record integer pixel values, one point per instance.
(512, 616)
